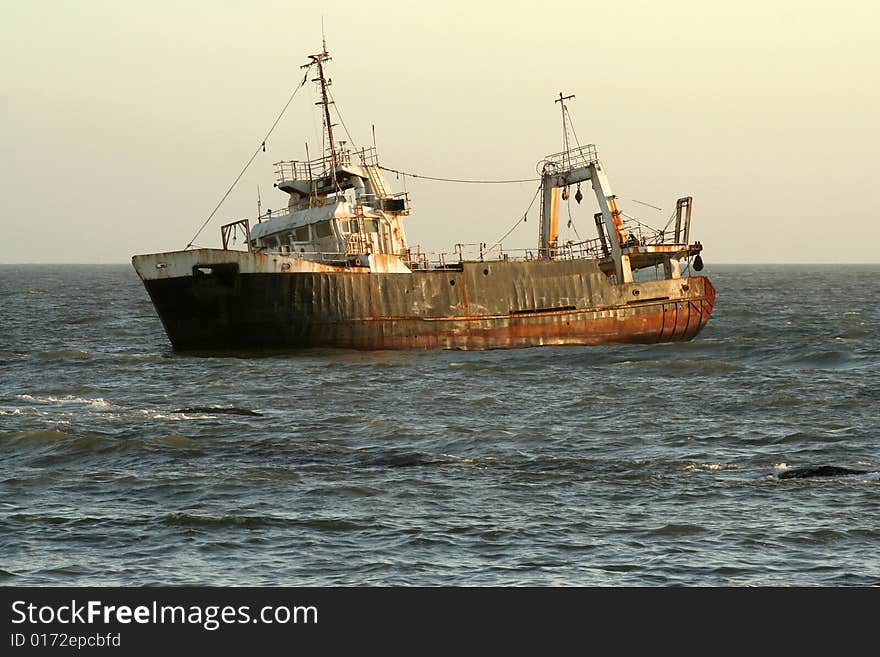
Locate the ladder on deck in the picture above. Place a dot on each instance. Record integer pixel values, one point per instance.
(377, 181)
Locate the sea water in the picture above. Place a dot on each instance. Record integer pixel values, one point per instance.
(123, 463)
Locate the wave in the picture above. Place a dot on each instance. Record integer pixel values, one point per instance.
(173, 416)
(37, 437)
(271, 474)
(822, 359)
(227, 410)
(404, 459)
(136, 357)
(113, 409)
(55, 440)
(680, 529)
(97, 402)
(784, 471)
(33, 518)
(176, 440)
(540, 464)
(709, 467)
(64, 354)
(820, 471)
(233, 520)
(89, 442)
(482, 367)
(807, 437)
(709, 365)
(66, 570)
(82, 354)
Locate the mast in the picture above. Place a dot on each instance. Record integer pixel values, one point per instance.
(319, 59)
(549, 228)
(561, 100)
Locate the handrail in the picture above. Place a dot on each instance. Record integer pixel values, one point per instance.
(368, 200)
(482, 252)
(571, 159)
(293, 170)
(417, 259)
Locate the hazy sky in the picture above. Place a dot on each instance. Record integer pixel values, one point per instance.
(123, 123)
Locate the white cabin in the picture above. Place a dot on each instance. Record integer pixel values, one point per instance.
(337, 211)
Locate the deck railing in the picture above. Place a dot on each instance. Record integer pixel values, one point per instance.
(485, 252)
(292, 170)
(574, 158)
(416, 259)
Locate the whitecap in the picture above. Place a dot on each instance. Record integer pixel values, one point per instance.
(98, 402)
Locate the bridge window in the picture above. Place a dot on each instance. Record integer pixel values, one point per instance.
(371, 226)
(323, 229)
(301, 234)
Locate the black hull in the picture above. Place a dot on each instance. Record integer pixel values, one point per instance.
(482, 306)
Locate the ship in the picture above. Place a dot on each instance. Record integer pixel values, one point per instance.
(333, 268)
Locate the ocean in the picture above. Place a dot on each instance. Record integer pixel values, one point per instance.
(746, 457)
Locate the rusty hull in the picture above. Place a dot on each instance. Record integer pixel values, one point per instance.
(481, 305)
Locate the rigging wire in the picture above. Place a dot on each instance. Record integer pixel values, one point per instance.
(459, 180)
(648, 204)
(521, 219)
(344, 127)
(637, 221)
(414, 175)
(668, 223)
(341, 120)
(262, 147)
(571, 125)
(566, 148)
(571, 221)
(578, 142)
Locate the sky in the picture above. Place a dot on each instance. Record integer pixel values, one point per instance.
(123, 124)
